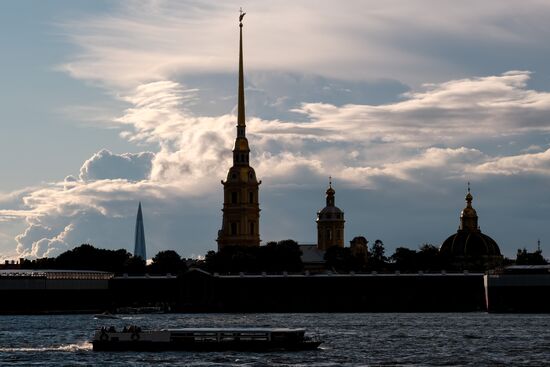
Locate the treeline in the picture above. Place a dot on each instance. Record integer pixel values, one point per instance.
(405, 260)
(88, 257)
(274, 257)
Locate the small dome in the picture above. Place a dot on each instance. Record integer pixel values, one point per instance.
(331, 210)
(468, 213)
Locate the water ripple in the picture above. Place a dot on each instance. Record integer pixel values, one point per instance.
(476, 339)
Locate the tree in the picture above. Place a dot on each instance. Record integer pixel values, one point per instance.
(338, 259)
(428, 258)
(530, 258)
(134, 265)
(274, 257)
(404, 259)
(377, 260)
(281, 256)
(87, 257)
(168, 261)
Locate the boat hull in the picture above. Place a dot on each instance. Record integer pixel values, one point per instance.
(252, 346)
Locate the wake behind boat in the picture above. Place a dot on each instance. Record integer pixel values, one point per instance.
(105, 315)
(203, 339)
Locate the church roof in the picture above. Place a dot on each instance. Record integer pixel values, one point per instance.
(468, 240)
(471, 244)
(327, 212)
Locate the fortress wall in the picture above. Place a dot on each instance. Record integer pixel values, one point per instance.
(201, 292)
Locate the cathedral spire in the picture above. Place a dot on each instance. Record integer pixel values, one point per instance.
(240, 107)
(330, 193)
(241, 152)
(241, 209)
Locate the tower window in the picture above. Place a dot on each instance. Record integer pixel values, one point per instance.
(233, 228)
(329, 234)
(251, 227)
(338, 234)
(251, 197)
(234, 197)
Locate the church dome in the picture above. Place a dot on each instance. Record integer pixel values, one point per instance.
(330, 212)
(468, 241)
(471, 244)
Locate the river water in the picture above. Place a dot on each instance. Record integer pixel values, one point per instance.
(471, 339)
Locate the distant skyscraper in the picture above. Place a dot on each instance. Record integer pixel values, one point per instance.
(139, 243)
(241, 210)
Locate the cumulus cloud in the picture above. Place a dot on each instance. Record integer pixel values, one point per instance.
(523, 164)
(106, 165)
(362, 145)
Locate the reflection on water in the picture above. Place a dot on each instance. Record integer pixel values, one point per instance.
(350, 339)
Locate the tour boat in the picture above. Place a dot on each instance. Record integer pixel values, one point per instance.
(202, 339)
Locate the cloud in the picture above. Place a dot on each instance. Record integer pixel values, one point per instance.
(523, 164)
(106, 165)
(140, 42)
(363, 146)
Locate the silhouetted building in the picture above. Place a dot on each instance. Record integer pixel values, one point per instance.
(139, 242)
(358, 247)
(330, 223)
(241, 209)
(468, 248)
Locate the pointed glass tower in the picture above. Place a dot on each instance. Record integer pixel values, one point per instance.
(139, 243)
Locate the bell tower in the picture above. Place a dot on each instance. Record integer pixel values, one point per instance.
(330, 223)
(241, 208)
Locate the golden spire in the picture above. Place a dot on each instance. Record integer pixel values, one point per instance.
(240, 107)
(241, 150)
(330, 193)
(468, 216)
(469, 197)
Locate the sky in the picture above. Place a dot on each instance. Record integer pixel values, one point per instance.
(108, 103)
